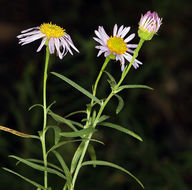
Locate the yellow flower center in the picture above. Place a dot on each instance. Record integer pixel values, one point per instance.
(117, 45)
(52, 30)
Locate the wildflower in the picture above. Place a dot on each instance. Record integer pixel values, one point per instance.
(116, 45)
(149, 25)
(52, 35)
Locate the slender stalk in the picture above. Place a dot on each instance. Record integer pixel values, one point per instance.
(87, 124)
(96, 83)
(124, 74)
(45, 118)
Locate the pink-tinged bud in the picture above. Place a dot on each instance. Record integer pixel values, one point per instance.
(149, 25)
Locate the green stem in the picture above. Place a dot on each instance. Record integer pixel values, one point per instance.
(124, 74)
(80, 161)
(45, 117)
(96, 83)
(87, 124)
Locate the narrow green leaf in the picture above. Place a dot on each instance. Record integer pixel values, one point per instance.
(72, 141)
(62, 120)
(133, 86)
(41, 162)
(26, 179)
(61, 144)
(76, 157)
(105, 163)
(35, 105)
(75, 112)
(79, 133)
(38, 167)
(65, 168)
(48, 108)
(92, 153)
(120, 104)
(103, 118)
(57, 132)
(122, 129)
(75, 85)
(77, 124)
(111, 80)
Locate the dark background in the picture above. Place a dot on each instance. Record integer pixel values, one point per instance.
(163, 117)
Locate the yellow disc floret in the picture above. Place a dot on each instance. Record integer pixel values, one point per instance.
(52, 30)
(117, 45)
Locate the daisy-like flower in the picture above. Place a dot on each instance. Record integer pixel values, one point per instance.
(52, 35)
(149, 25)
(116, 45)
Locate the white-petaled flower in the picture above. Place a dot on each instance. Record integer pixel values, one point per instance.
(116, 45)
(149, 25)
(52, 35)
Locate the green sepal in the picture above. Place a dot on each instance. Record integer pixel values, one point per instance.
(145, 35)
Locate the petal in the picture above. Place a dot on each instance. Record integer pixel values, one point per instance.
(129, 38)
(42, 44)
(51, 46)
(120, 30)
(124, 32)
(115, 30)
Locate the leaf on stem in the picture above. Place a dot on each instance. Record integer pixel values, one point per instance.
(17, 133)
(105, 163)
(57, 132)
(26, 179)
(92, 153)
(35, 105)
(120, 104)
(75, 85)
(62, 120)
(75, 112)
(41, 162)
(79, 133)
(38, 167)
(76, 157)
(132, 86)
(122, 129)
(111, 80)
(103, 118)
(65, 168)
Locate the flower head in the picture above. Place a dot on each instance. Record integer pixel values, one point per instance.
(52, 35)
(149, 25)
(116, 44)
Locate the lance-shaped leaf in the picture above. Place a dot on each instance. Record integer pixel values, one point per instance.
(38, 167)
(65, 168)
(62, 120)
(111, 80)
(105, 163)
(26, 179)
(79, 133)
(92, 153)
(120, 104)
(122, 129)
(132, 86)
(42, 163)
(103, 118)
(75, 85)
(57, 132)
(76, 157)
(12, 131)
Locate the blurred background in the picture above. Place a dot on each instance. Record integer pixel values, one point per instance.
(163, 117)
